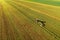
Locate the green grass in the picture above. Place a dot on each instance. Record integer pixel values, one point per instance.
(56, 3)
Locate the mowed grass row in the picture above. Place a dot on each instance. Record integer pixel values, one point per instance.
(47, 9)
(36, 36)
(19, 23)
(41, 16)
(16, 26)
(56, 31)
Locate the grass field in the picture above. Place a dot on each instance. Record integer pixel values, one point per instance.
(50, 2)
(18, 21)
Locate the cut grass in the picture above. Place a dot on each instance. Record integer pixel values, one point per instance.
(21, 23)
